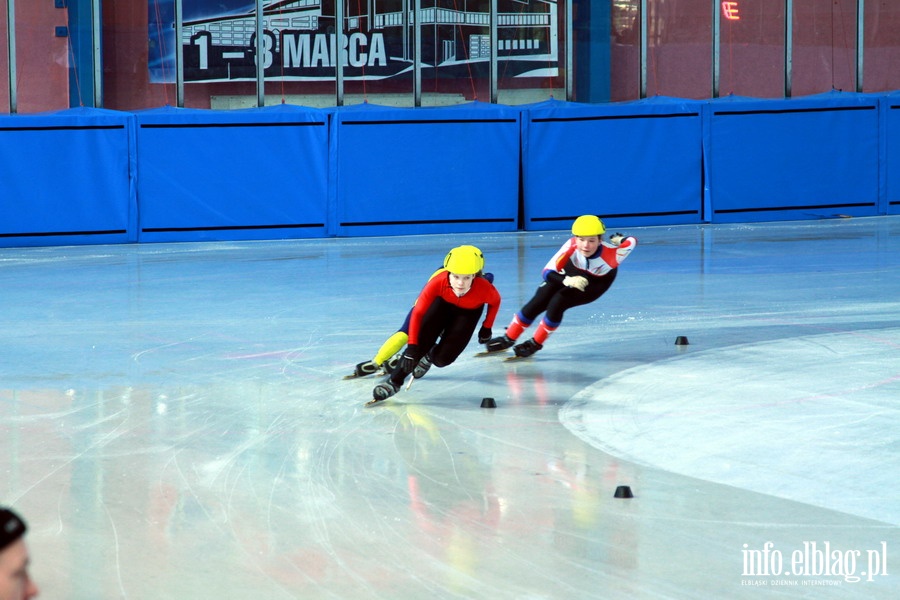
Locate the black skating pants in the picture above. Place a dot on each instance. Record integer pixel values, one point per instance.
(555, 298)
(444, 333)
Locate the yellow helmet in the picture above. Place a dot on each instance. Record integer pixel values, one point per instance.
(464, 260)
(587, 225)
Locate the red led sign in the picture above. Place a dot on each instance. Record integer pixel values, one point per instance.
(730, 11)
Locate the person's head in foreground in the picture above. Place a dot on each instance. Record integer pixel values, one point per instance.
(15, 582)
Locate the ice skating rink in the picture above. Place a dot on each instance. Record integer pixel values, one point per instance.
(174, 423)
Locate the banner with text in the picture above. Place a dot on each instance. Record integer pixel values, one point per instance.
(219, 40)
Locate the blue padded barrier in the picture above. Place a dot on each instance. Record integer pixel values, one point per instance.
(87, 175)
(634, 163)
(890, 150)
(400, 171)
(259, 173)
(67, 178)
(803, 158)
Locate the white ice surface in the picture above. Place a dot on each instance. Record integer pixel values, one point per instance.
(174, 422)
(810, 418)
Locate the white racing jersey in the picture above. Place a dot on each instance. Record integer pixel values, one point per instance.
(607, 258)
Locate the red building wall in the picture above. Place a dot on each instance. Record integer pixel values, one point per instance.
(42, 58)
(679, 60)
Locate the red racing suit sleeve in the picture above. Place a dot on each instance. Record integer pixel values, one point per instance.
(429, 294)
(489, 295)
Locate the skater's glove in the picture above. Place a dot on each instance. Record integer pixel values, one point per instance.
(616, 238)
(578, 282)
(484, 335)
(410, 358)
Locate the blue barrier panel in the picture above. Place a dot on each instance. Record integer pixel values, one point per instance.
(258, 173)
(401, 171)
(804, 158)
(66, 178)
(891, 152)
(635, 163)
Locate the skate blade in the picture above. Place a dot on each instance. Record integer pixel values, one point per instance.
(490, 353)
(355, 376)
(516, 358)
(374, 401)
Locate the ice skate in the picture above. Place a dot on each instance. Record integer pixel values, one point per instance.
(422, 367)
(383, 391)
(390, 365)
(526, 349)
(499, 344)
(363, 369)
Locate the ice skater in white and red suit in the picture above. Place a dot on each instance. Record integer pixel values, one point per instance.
(581, 271)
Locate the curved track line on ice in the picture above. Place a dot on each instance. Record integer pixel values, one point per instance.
(813, 419)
